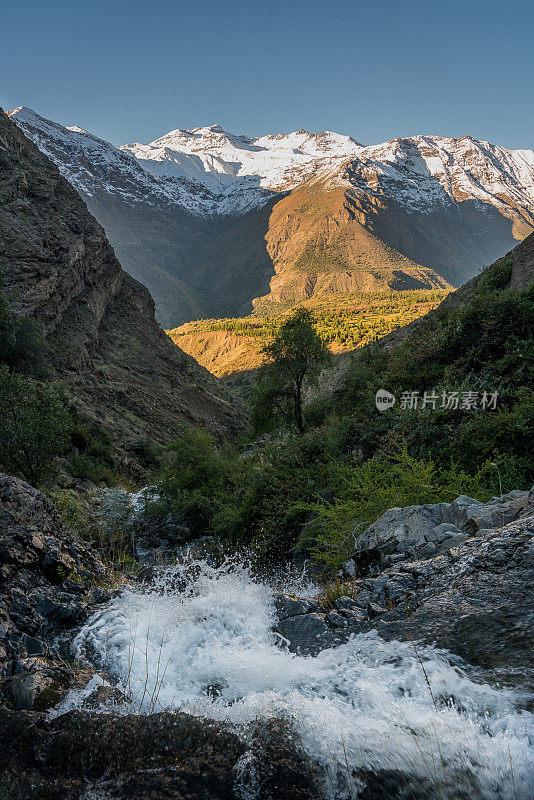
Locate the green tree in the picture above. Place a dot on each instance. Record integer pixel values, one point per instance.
(34, 426)
(293, 358)
(22, 346)
(7, 331)
(197, 477)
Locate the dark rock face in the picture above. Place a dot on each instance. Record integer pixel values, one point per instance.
(163, 755)
(82, 754)
(161, 533)
(306, 633)
(475, 599)
(47, 582)
(105, 345)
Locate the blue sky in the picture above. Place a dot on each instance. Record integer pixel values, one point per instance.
(131, 71)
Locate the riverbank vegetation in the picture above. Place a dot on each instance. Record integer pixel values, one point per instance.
(463, 422)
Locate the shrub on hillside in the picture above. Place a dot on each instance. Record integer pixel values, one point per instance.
(34, 426)
(92, 457)
(22, 347)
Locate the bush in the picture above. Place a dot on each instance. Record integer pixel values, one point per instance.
(196, 479)
(34, 426)
(72, 512)
(22, 346)
(92, 459)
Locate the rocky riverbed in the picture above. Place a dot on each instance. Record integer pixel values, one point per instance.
(207, 683)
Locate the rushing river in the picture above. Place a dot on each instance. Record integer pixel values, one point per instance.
(201, 640)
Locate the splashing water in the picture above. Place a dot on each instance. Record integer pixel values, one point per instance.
(201, 640)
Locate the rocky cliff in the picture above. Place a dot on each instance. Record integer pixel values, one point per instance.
(104, 343)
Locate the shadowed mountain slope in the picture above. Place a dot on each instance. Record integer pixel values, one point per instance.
(58, 268)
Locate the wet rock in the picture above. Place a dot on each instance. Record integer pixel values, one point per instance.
(307, 634)
(275, 766)
(33, 646)
(138, 757)
(287, 606)
(39, 687)
(108, 696)
(45, 581)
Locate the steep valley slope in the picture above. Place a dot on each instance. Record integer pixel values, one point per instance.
(105, 345)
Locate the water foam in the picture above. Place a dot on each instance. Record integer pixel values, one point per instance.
(201, 640)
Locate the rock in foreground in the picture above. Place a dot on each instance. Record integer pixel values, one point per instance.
(48, 582)
(473, 597)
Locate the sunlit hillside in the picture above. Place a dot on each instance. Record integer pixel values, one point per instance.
(230, 346)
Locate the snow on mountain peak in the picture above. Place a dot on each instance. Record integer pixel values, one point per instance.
(208, 170)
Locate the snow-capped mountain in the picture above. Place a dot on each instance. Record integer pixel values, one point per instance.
(183, 210)
(208, 171)
(422, 171)
(93, 165)
(239, 170)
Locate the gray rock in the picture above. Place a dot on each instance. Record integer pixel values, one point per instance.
(336, 619)
(38, 600)
(396, 592)
(479, 604)
(363, 598)
(374, 610)
(287, 606)
(441, 532)
(452, 541)
(348, 569)
(458, 509)
(356, 619)
(104, 696)
(37, 689)
(348, 604)
(401, 528)
(306, 633)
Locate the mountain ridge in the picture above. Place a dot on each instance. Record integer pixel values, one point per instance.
(192, 213)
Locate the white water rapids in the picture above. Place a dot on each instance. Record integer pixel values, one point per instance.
(201, 641)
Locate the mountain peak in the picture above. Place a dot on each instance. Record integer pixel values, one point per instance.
(209, 170)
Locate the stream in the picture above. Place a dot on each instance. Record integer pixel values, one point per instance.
(200, 639)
